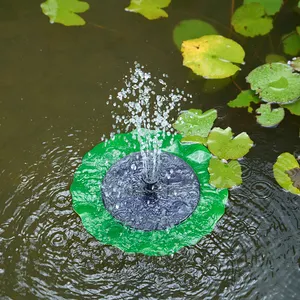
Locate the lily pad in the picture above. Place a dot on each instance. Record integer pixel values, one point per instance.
(284, 164)
(250, 20)
(271, 6)
(244, 99)
(212, 56)
(295, 63)
(275, 83)
(195, 123)
(271, 58)
(150, 9)
(65, 11)
(194, 139)
(294, 108)
(191, 29)
(224, 175)
(291, 43)
(269, 117)
(222, 144)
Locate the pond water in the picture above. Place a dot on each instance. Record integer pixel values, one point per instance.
(54, 84)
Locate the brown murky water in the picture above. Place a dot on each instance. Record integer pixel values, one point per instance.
(54, 82)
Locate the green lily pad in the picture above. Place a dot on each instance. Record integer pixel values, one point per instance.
(250, 20)
(271, 58)
(65, 11)
(285, 163)
(212, 56)
(294, 108)
(244, 99)
(150, 9)
(194, 139)
(269, 117)
(221, 143)
(191, 29)
(275, 83)
(224, 175)
(195, 123)
(271, 6)
(295, 63)
(291, 43)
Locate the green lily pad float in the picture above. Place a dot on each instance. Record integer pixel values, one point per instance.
(295, 63)
(195, 123)
(275, 83)
(250, 20)
(269, 117)
(291, 43)
(244, 99)
(285, 163)
(65, 11)
(150, 9)
(222, 144)
(294, 108)
(194, 139)
(224, 175)
(212, 56)
(191, 29)
(271, 6)
(271, 58)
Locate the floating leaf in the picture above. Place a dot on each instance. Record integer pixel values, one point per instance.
(285, 163)
(191, 29)
(271, 6)
(195, 123)
(250, 20)
(275, 83)
(194, 139)
(270, 58)
(64, 11)
(221, 143)
(294, 108)
(269, 117)
(291, 43)
(224, 175)
(150, 9)
(295, 63)
(212, 56)
(244, 99)
(298, 29)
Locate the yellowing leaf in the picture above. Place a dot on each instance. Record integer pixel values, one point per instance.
(212, 56)
(150, 9)
(64, 11)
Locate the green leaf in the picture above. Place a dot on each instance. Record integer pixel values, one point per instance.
(295, 63)
(195, 123)
(291, 43)
(294, 108)
(150, 9)
(269, 117)
(285, 162)
(244, 99)
(270, 58)
(221, 143)
(275, 83)
(64, 11)
(224, 175)
(212, 56)
(194, 139)
(271, 6)
(250, 20)
(191, 29)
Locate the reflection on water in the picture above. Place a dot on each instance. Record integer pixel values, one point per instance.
(54, 82)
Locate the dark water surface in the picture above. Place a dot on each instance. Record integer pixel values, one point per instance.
(54, 82)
